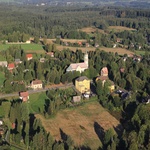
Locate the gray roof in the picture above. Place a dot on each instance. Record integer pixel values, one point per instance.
(82, 78)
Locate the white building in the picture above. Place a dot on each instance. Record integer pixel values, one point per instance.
(79, 66)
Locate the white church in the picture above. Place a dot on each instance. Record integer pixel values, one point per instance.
(80, 66)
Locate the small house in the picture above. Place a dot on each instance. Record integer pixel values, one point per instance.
(76, 99)
(42, 60)
(104, 72)
(18, 61)
(3, 63)
(24, 96)
(29, 56)
(36, 84)
(51, 54)
(11, 66)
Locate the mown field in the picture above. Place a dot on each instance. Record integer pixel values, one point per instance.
(120, 28)
(81, 123)
(26, 47)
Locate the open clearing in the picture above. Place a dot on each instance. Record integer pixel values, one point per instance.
(120, 51)
(91, 30)
(25, 47)
(80, 123)
(120, 28)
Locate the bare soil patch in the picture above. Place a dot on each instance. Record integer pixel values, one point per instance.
(79, 123)
(120, 51)
(120, 28)
(91, 30)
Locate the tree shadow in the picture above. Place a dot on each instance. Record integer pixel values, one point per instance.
(46, 105)
(63, 135)
(119, 130)
(99, 131)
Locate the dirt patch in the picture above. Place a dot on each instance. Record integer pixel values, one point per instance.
(79, 123)
(120, 28)
(90, 30)
(120, 51)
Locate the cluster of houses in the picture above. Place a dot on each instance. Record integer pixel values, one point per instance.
(11, 66)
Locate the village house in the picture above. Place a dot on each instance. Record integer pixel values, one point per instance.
(3, 63)
(76, 99)
(42, 60)
(24, 96)
(51, 54)
(18, 61)
(29, 56)
(82, 84)
(79, 66)
(36, 84)
(11, 66)
(104, 72)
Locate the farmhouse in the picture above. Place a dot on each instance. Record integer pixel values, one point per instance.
(79, 66)
(18, 61)
(82, 84)
(36, 84)
(24, 96)
(51, 54)
(11, 66)
(29, 56)
(104, 72)
(76, 99)
(3, 63)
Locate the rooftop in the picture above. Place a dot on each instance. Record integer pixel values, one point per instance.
(82, 78)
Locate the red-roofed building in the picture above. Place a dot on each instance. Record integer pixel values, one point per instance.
(36, 84)
(24, 96)
(11, 66)
(104, 71)
(29, 56)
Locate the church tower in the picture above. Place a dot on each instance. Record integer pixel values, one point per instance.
(86, 59)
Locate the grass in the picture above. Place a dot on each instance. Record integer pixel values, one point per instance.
(2, 78)
(36, 101)
(141, 52)
(79, 123)
(33, 47)
(120, 28)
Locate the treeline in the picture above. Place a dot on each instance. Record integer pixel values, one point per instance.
(50, 21)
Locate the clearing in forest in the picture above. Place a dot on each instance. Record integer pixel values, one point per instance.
(90, 30)
(120, 51)
(85, 124)
(120, 28)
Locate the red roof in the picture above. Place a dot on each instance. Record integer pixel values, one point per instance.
(12, 65)
(29, 55)
(24, 94)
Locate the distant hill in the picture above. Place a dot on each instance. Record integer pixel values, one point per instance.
(132, 3)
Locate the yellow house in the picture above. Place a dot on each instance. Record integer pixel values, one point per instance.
(82, 84)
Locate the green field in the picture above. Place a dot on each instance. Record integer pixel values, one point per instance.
(36, 102)
(25, 47)
(2, 78)
(141, 52)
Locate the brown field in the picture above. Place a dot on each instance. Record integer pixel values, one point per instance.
(120, 28)
(50, 41)
(120, 51)
(91, 30)
(81, 123)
